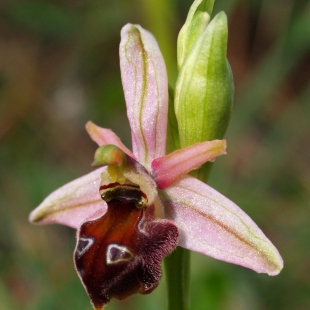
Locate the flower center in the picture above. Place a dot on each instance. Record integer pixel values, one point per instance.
(129, 193)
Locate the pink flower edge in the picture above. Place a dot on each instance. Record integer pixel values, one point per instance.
(211, 224)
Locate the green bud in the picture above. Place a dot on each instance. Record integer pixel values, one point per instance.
(204, 89)
(196, 22)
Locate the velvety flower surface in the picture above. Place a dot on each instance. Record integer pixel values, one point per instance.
(138, 206)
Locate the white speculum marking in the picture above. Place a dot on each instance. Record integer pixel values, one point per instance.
(117, 253)
(142, 224)
(83, 245)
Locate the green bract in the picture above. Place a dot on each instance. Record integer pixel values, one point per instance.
(204, 89)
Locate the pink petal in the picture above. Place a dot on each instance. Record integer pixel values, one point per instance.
(174, 166)
(211, 224)
(73, 203)
(145, 86)
(103, 136)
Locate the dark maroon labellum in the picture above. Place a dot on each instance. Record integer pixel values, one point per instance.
(120, 253)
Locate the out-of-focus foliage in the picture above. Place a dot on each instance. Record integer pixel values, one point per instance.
(59, 68)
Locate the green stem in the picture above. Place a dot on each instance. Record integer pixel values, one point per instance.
(177, 268)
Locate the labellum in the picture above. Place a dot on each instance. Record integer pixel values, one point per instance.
(120, 253)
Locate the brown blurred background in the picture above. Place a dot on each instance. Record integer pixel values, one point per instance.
(59, 68)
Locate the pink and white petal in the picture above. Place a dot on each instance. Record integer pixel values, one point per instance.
(145, 84)
(211, 224)
(73, 203)
(171, 168)
(103, 136)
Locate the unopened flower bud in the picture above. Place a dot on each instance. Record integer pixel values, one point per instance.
(196, 22)
(204, 89)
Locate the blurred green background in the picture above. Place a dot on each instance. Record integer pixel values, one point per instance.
(59, 68)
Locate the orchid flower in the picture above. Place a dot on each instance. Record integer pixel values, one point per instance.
(139, 205)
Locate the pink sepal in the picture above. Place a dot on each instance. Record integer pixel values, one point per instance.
(73, 203)
(145, 86)
(174, 166)
(211, 224)
(103, 136)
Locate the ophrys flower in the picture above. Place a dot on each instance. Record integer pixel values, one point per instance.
(140, 205)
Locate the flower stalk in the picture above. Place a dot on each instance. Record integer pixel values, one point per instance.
(177, 271)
